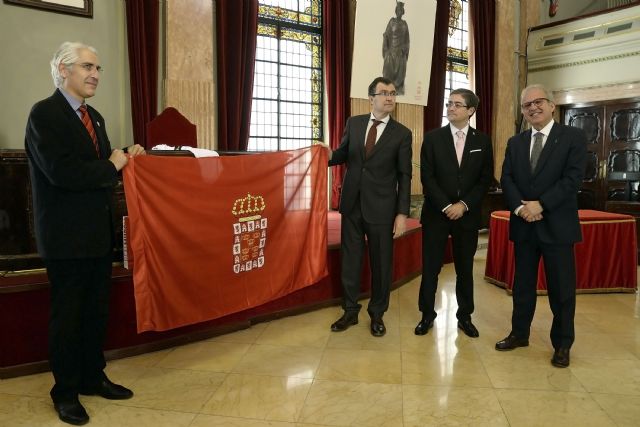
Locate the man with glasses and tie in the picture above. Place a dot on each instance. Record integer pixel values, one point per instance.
(73, 171)
(456, 169)
(374, 201)
(541, 175)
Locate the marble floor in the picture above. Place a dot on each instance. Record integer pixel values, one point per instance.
(295, 372)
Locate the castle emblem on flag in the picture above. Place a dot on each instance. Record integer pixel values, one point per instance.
(249, 233)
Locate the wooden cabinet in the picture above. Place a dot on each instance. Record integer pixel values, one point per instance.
(612, 175)
(17, 237)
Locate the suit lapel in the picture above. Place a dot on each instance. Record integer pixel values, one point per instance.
(360, 128)
(469, 144)
(523, 154)
(449, 145)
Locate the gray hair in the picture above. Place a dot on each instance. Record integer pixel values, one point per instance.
(547, 93)
(66, 54)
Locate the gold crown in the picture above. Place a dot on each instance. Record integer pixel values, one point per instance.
(250, 205)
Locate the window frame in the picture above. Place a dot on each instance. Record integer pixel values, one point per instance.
(317, 87)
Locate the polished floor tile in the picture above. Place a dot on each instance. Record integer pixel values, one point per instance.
(298, 362)
(350, 403)
(623, 410)
(174, 389)
(259, 396)
(218, 421)
(544, 408)
(451, 406)
(443, 370)
(205, 355)
(126, 416)
(361, 365)
(292, 332)
(295, 372)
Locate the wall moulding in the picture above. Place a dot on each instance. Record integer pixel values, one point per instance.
(586, 95)
(595, 51)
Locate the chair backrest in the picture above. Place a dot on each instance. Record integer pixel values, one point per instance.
(171, 128)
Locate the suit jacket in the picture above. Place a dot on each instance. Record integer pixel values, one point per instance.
(555, 183)
(71, 186)
(445, 182)
(381, 182)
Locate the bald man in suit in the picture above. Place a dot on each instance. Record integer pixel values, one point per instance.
(374, 201)
(541, 175)
(456, 168)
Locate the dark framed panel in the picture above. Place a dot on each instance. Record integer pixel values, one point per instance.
(82, 8)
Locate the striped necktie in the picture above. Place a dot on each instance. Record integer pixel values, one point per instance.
(86, 121)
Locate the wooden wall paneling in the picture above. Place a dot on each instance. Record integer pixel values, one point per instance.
(196, 101)
(189, 82)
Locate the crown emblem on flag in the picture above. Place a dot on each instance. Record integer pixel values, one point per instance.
(249, 208)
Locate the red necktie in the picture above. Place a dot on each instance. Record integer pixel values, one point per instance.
(86, 121)
(371, 137)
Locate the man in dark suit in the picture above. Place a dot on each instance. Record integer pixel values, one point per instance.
(456, 167)
(73, 170)
(374, 201)
(541, 174)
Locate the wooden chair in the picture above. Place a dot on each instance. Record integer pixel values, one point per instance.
(171, 128)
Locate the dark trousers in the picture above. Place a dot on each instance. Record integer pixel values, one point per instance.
(77, 322)
(380, 243)
(559, 265)
(434, 244)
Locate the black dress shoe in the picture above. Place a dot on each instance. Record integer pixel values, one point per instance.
(108, 390)
(71, 412)
(377, 327)
(560, 358)
(468, 328)
(343, 323)
(511, 342)
(423, 327)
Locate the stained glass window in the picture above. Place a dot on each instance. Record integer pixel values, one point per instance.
(457, 51)
(287, 90)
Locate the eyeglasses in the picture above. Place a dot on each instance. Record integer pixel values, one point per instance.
(384, 93)
(89, 67)
(536, 102)
(456, 105)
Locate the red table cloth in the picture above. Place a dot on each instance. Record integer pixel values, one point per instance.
(605, 259)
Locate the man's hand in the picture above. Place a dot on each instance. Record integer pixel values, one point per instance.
(135, 150)
(531, 210)
(118, 158)
(325, 145)
(455, 211)
(399, 225)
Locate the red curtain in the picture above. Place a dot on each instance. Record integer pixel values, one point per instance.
(483, 18)
(142, 38)
(435, 100)
(236, 32)
(335, 28)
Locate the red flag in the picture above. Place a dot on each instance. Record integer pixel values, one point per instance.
(218, 235)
